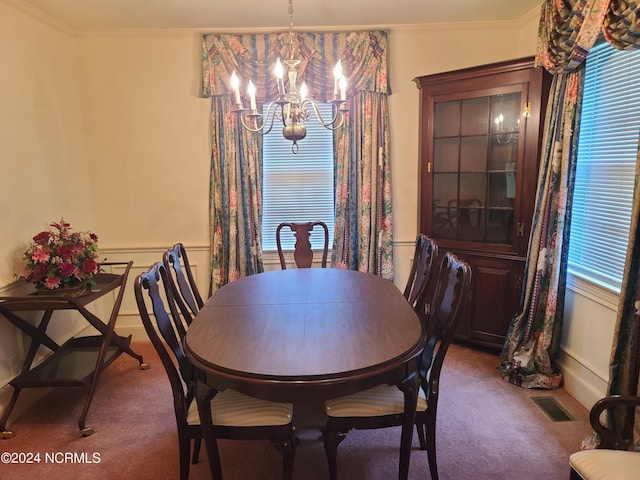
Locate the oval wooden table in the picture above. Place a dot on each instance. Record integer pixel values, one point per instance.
(301, 335)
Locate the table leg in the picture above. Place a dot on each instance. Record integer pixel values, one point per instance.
(409, 387)
(204, 397)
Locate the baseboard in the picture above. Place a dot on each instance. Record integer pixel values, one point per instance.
(586, 386)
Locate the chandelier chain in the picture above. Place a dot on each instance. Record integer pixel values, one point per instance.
(291, 35)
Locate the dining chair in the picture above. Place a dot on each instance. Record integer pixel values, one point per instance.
(425, 253)
(614, 457)
(302, 254)
(383, 406)
(234, 415)
(182, 282)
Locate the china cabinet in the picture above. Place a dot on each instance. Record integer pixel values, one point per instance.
(480, 143)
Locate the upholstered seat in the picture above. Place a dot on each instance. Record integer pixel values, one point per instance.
(604, 464)
(377, 401)
(232, 409)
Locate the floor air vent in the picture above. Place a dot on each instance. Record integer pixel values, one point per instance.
(553, 409)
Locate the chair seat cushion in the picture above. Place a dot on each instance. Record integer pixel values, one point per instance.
(375, 402)
(605, 464)
(234, 409)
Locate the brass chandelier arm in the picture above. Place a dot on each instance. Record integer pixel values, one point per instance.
(269, 119)
(337, 120)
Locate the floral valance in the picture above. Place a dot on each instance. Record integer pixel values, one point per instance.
(363, 56)
(622, 24)
(569, 28)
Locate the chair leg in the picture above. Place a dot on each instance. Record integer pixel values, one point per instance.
(421, 436)
(430, 431)
(332, 439)
(196, 450)
(184, 444)
(287, 449)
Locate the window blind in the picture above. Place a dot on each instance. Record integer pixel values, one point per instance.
(607, 152)
(298, 187)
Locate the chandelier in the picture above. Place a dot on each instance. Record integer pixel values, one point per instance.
(292, 108)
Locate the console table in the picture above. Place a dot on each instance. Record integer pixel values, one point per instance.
(79, 361)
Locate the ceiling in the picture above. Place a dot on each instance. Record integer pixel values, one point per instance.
(239, 15)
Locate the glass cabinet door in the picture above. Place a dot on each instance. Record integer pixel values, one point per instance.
(475, 152)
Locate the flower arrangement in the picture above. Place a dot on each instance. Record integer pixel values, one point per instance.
(59, 258)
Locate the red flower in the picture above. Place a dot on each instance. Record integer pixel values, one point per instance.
(89, 266)
(67, 269)
(66, 251)
(42, 238)
(38, 273)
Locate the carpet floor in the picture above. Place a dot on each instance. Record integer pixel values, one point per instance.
(487, 429)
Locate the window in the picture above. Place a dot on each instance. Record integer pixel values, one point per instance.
(298, 187)
(607, 152)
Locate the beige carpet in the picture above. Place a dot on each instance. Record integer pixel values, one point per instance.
(487, 429)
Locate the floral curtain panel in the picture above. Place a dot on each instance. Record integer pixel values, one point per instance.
(363, 238)
(533, 338)
(568, 30)
(363, 58)
(235, 199)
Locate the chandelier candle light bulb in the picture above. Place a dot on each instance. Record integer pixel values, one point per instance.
(279, 71)
(251, 90)
(235, 86)
(337, 75)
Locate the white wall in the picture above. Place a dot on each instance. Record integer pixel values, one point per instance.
(42, 153)
(110, 130)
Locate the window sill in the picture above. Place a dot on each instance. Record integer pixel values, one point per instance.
(603, 294)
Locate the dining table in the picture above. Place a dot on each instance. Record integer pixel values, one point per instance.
(306, 335)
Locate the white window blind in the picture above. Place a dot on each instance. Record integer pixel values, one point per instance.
(298, 187)
(607, 152)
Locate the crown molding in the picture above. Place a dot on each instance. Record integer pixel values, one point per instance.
(41, 16)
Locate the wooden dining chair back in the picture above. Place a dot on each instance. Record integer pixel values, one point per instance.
(234, 415)
(383, 406)
(302, 253)
(182, 282)
(425, 253)
(452, 293)
(166, 337)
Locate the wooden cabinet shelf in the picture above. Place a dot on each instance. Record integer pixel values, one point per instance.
(480, 141)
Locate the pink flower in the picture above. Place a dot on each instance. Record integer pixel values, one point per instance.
(53, 282)
(40, 256)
